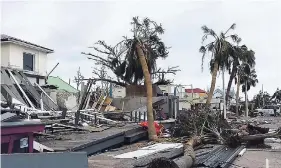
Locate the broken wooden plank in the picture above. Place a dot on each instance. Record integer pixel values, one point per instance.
(96, 102)
(55, 121)
(44, 134)
(72, 127)
(39, 147)
(101, 103)
(99, 117)
(109, 108)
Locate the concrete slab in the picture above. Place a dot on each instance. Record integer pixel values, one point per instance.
(90, 142)
(149, 150)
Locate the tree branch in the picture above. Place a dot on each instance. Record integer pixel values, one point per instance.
(111, 81)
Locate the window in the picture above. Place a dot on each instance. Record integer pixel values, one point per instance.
(28, 61)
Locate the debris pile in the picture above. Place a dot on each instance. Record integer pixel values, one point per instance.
(233, 135)
(23, 101)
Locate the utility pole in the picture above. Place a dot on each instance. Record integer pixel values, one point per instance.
(223, 91)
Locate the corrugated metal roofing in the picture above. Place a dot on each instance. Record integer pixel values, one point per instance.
(220, 157)
(61, 84)
(195, 90)
(7, 117)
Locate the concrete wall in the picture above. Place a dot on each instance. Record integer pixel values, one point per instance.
(165, 88)
(130, 103)
(184, 104)
(180, 92)
(13, 56)
(16, 58)
(64, 99)
(5, 54)
(134, 103)
(118, 92)
(33, 80)
(45, 160)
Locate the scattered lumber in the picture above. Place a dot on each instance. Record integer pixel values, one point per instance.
(44, 134)
(71, 127)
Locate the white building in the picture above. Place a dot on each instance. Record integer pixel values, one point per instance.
(28, 57)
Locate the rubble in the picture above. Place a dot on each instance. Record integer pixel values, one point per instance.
(97, 125)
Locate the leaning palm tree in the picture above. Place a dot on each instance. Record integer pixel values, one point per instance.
(248, 80)
(142, 48)
(134, 59)
(221, 51)
(241, 55)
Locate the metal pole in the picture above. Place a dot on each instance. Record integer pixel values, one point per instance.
(52, 70)
(223, 91)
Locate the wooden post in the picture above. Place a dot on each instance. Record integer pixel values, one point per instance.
(11, 145)
(30, 142)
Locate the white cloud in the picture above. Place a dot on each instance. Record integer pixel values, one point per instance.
(70, 27)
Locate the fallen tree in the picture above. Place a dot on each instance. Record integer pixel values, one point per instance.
(186, 161)
(203, 126)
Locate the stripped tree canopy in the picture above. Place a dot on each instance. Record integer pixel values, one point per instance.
(122, 58)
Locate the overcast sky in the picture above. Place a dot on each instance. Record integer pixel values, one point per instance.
(71, 27)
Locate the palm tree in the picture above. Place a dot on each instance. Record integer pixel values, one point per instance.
(277, 95)
(221, 51)
(241, 55)
(142, 51)
(242, 69)
(261, 98)
(134, 59)
(248, 79)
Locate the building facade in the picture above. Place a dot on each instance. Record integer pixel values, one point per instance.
(28, 57)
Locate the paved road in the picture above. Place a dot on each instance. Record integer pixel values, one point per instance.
(256, 159)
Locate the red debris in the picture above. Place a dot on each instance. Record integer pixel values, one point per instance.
(158, 127)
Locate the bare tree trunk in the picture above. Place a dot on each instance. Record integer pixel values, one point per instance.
(237, 95)
(147, 80)
(246, 101)
(213, 83)
(232, 75)
(259, 136)
(185, 161)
